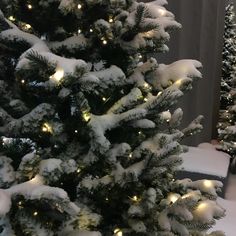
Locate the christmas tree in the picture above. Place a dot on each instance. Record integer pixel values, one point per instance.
(227, 117)
(89, 128)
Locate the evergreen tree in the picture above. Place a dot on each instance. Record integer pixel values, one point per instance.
(90, 140)
(227, 117)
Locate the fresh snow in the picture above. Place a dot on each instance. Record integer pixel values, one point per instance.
(206, 161)
(228, 223)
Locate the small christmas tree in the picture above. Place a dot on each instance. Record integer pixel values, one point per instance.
(90, 138)
(227, 118)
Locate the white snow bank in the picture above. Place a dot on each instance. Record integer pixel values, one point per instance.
(206, 161)
(228, 223)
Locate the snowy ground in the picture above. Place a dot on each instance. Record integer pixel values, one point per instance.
(228, 224)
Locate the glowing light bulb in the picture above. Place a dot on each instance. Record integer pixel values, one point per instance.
(86, 116)
(91, 30)
(79, 31)
(130, 155)
(162, 12)
(104, 99)
(173, 197)
(20, 203)
(29, 6)
(111, 20)
(178, 82)
(59, 74)
(35, 213)
(139, 132)
(118, 232)
(76, 131)
(140, 56)
(104, 42)
(106, 198)
(135, 198)
(27, 26)
(145, 99)
(168, 120)
(79, 6)
(79, 170)
(12, 18)
(47, 128)
(208, 183)
(22, 81)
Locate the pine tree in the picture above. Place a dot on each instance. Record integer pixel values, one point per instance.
(90, 140)
(227, 117)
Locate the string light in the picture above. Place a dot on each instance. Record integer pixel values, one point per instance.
(106, 198)
(76, 131)
(59, 74)
(178, 82)
(139, 132)
(79, 31)
(91, 30)
(22, 81)
(145, 99)
(27, 26)
(162, 12)
(79, 170)
(86, 116)
(29, 6)
(173, 197)
(104, 41)
(134, 198)
(35, 213)
(104, 99)
(47, 128)
(111, 20)
(118, 232)
(130, 155)
(12, 18)
(79, 6)
(208, 183)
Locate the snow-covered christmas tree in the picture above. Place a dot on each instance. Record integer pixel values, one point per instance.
(227, 117)
(89, 131)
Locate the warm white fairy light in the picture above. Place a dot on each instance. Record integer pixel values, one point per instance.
(173, 197)
(104, 41)
(35, 213)
(201, 207)
(79, 6)
(104, 99)
(22, 81)
(145, 99)
(139, 132)
(178, 82)
(59, 74)
(130, 155)
(27, 26)
(78, 170)
(29, 6)
(46, 128)
(208, 183)
(76, 131)
(111, 20)
(12, 18)
(106, 198)
(79, 31)
(91, 30)
(162, 12)
(118, 232)
(86, 116)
